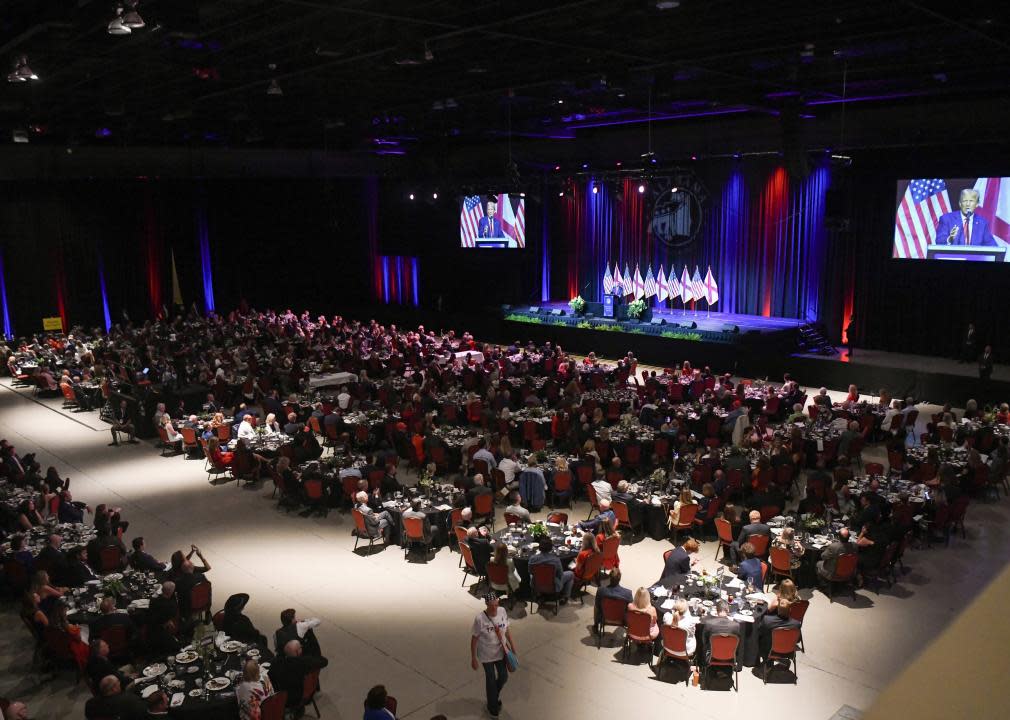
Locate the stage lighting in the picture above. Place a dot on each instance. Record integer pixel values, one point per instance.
(434, 196)
(116, 25)
(557, 168)
(694, 157)
(673, 190)
(595, 190)
(561, 194)
(412, 196)
(131, 18)
(641, 189)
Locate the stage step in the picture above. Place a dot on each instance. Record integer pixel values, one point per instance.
(811, 340)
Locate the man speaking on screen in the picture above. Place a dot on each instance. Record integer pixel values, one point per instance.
(490, 226)
(964, 227)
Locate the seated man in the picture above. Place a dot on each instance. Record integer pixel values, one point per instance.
(121, 424)
(612, 589)
(563, 579)
(165, 606)
(679, 561)
(110, 618)
(377, 523)
(294, 629)
(78, 572)
(289, 670)
(141, 560)
(416, 513)
(750, 570)
(841, 545)
(481, 547)
(603, 489)
(111, 702)
(237, 625)
(606, 515)
(721, 624)
(516, 507)
(479, 488)
(99, 666)
(755, 527)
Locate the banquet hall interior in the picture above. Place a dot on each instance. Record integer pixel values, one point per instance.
(321, 319)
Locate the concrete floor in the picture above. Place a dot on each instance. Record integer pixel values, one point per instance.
(406, 624)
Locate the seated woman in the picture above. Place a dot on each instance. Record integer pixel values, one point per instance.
(785, 590)
(271, 425)
(787, 540)
(852, 397)
(642, 604)
(686, 498)
(218, 457)
(215, 422)
(58, 621)
(254, 688)
(681, 617)
(501, 556)
(731, 515)
(588, 550)
(28, 515)
(31, 611)
(174, 437)
(47, 592)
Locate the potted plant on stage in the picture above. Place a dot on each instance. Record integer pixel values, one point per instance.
(635, 309)
(577, 304)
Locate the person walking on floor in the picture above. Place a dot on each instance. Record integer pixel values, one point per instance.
(488, 638)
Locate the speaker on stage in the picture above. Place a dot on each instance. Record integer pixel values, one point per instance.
(534, 309)
(689, 325)
(657, 321)
(557, 311)
(730, 328)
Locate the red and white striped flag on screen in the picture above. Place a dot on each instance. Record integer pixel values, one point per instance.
(994, 206)
(639, 284)
(650, 284)
(469, 217)
(925, 200)
(618, 280)
(661, 287)
(608, 281)
(513, 219)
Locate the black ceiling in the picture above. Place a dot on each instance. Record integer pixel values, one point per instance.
(356, 76)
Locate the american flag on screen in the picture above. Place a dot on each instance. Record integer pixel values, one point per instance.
(469, 217)
(994, 206)
(924, 202)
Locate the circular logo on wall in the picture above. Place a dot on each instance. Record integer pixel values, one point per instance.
(676, 213)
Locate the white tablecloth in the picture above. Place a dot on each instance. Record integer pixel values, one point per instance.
(331, 379)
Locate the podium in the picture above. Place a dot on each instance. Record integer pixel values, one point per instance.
(966, 253)
(496, 242)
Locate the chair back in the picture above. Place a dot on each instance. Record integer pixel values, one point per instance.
(614, 611)
(561, 518)
(16, 575)
(512, 519)
(639, 625)
(585, 474)
(480, 466)
(797, 609)
(199, 597)
(110, 558)
(359, 523)
(784, 640)
(309, 686)
(768, 512)
(592, 567)
(350, 486)
(313, 489)
(188, 435)
(497, 575)
(542, 578)
(58, 644)
(674, 640)
(223, 433)
(614, 477)
(464, 548)
(118, 640)
(620, 509)
(760, 543)
(483, 504)
(687, 515)
(591, 494)
(608, 550)
(562, 481)
(845, 567)
(725, 530)
(460, 534)
(218, 620)
(272, 708)
(780, 558)
(413, 529)
(724, 649)
(873, 468)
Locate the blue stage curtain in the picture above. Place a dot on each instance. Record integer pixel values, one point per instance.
(203, 245)
(8, 332)
(762, 234)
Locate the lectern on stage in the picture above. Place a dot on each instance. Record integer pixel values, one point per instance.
(971, 253)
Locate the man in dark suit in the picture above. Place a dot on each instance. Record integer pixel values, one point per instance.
(237, 624)
(53, 559)
(613, 589)
(105, 540)
(165, 606)
(679, 560)
(985, 363)
(110, 618)
(968, 344)
(750, 570)
(293, 628)
(490, 226)
(141, 560)
(563, 579)
(964, 226)
(479, 488)
(480, 546)
(721, 624)
(289, 670)
(841, 545)
(99, 666)
(755, 527)
(771, 621)
(121, 423)
(292, 426)
(112, 702)
(78, 571)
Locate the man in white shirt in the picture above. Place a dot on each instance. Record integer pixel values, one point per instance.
(509, 468)
(603, 489)
(516, 508)
(246, 431)
(889, 416)
(343, 398)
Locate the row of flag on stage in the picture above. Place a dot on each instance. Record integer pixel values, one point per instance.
(687, 287)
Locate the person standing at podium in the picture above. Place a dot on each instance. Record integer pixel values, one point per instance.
(490, 226)
(963, 226)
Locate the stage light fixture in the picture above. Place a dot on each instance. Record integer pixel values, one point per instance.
(24, 72)
(595, 190)
(694, 157)
(117, 26)
(673, 190)
(641, 189)
(557, 168)
(561, 194)
(412, 196)
(434, 196)
(274, 88)
(131, 18)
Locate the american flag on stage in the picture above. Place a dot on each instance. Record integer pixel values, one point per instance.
(994, 206)
(697, 285)
(650, 284)
(922, 205)
(469, 216)
(618, 286)
(608, 281)
(686, 289)
(629, 281)
(661, 288)
(513, 217)
(711, 288)
(674, 288)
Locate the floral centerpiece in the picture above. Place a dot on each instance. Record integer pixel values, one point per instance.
(577, 304)
(538, 530)
(427, 480)
(113, 587)
(636, 308)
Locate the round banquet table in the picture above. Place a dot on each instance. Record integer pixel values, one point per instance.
(690, 586)
(522, 545)
(437, 509)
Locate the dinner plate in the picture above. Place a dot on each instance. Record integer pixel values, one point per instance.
(155, 670)
(186, 657)
(746, 612)
(148, 691)
(707, 603)
(195, 692)
(114, 576)
(177, 684)
(231, 646)
(254, 653)
(192, 669)
(218, 683)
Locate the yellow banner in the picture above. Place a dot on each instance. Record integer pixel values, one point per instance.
(52, 323)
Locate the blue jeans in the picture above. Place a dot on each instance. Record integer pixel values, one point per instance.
(494, 685)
